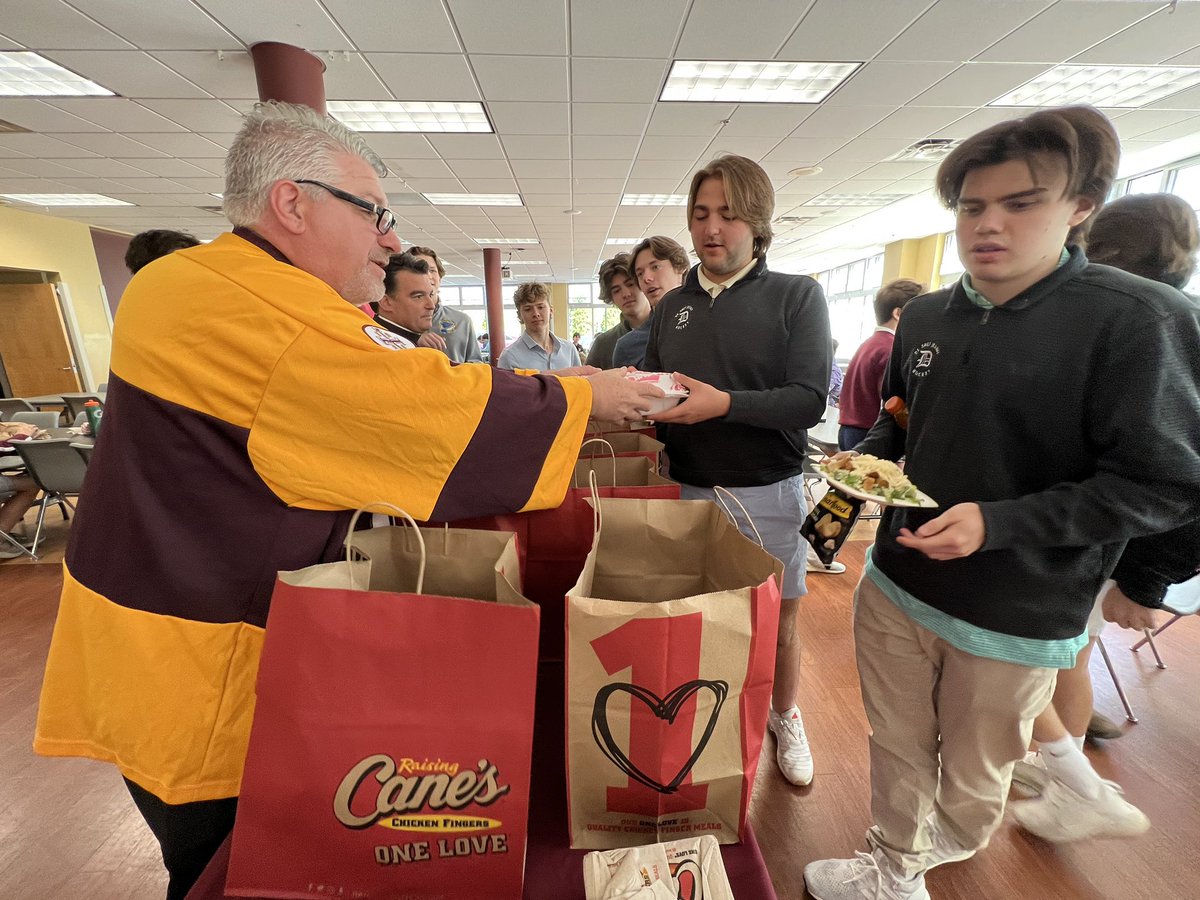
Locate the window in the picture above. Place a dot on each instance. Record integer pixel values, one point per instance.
(850, 292)
(1150, 183)
(588, 314)
(952, 266)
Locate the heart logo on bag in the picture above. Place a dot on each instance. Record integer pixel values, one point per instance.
(665, 708)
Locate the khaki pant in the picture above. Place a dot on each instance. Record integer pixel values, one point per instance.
(926, 699)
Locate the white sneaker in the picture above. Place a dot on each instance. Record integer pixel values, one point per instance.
(834, 568)
(1061, 814)
(860, 878)
(1030, 775)
(792, 752)
(946, 849)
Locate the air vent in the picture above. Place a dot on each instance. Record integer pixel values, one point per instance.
(10, 128)
(794, 220)
(928, 150)
(213, 209)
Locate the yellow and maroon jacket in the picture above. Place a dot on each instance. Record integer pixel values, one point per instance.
(249, 406)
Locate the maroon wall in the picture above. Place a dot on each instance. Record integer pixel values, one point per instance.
(110, 254)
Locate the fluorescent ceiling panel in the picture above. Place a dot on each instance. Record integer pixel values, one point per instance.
(406, 115)
(625, 241)
(25, 74)
(66, 199)
(855, 199)
(654, 200)
(474, 199)
(711, 81)
(488, 241)
(1102, 86)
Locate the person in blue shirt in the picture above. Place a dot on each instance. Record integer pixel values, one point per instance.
(537, 348)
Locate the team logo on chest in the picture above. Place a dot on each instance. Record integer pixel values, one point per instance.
(923, 357)
(682, 317)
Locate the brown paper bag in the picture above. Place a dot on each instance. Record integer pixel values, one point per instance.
(671, 632)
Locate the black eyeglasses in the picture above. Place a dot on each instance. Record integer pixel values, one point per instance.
(385, 219)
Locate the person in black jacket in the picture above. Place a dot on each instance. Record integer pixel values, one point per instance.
(753, 348)
(1154, 236)
(1054, 413)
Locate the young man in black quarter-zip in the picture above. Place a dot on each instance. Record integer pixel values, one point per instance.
(753, 348)
(1054, 413)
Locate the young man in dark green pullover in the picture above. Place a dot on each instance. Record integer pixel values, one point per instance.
(1054, 413)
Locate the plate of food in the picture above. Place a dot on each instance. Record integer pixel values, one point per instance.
(673, 391)
(871, 478)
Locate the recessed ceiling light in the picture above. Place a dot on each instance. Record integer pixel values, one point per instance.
(710, 81)
(474, 199)
(66, 199)
(403, 115)
(805, 171)
(1103, 86)
(573, 212)
(25, 74)
(487, 241)
(654, 200)
(855, 199)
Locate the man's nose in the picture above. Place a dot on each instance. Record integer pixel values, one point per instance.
(391, 242)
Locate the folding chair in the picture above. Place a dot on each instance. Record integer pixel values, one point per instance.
(10, 405)
(40, 419)
(75, 403)
(1182, 599)
(58, 469)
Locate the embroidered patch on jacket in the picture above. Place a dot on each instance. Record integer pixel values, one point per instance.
(923, 357)
(385, 338)
(682, 317)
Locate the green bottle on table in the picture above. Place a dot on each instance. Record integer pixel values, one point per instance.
(94, 412)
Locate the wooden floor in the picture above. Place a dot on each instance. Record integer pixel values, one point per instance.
(69, 830)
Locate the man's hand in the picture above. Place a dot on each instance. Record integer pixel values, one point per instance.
(432, 341)
(703, 402)
(1119, 609)
(617, 399)
(956, 533)
(575, 370)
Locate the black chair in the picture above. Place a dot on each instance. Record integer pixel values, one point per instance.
(75, 404)
(58, 469)
(10, 405)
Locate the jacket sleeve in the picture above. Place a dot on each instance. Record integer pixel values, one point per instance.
(340, 427)
(1144, 412)
(1150, 564)
(800, 401)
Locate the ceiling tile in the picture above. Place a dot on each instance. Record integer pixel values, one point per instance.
(43, 147)
(419, 168)
(755, 119)
(167, 167)
(869, 149)
(426, 76)
(1189, 99)
(401, 146)
(545, 185)
(608, 118)
(616, 80)
(466, 146)
(43, 117)
(804, 151)
(977, 84)
(424, 28)
(713, 30)
(479, 168)
(115, 145)
(983, 118)
(304, 24)
(915, 122)
(536, 146)
(183, 144)
(115, 114)
(600, 168)
(751, 147)
(541, 168)
(617, 146)
(529, 118)
(1155, 38)
(958, 30)
(105, 167)
(657, 25)
(483, 31)
(489, 185)
(229, 74)
(676, 148)
(51, 23)
(842, 121)
(130, 73)
(522, 78)
(879, 83)
(42, 168)
(689, 118)
(197, 115)
(823, 34)
(1066, 28)
(673, 171)
(175, 24)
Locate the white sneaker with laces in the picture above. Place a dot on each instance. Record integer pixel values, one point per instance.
(1060, 814)
(945, 848)
(792, 752)
(860, 878)
(1030, 775)
(834, 568)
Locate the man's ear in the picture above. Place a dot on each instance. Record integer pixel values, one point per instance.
(290, 206)
(1084, 207)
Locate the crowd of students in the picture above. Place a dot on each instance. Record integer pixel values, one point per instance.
(1053, 410)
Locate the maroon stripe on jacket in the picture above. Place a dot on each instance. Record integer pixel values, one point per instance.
(174, 520)
(499, 469)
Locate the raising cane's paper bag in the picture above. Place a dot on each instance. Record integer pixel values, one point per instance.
(690, 869)
(391, 746)
(671, 632)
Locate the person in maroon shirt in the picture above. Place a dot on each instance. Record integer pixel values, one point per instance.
(860, 399)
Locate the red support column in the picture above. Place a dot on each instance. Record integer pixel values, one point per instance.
(494, 293)
(289, 74)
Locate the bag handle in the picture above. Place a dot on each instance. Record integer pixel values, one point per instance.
(597, 516)
(612, 452)
(717, 492)
(404, 515)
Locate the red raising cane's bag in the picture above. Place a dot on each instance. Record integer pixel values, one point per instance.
(392, 737)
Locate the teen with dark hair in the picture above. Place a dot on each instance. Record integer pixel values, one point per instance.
(147, 246)
(1053, 408)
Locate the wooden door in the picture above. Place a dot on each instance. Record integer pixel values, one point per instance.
(33, 341)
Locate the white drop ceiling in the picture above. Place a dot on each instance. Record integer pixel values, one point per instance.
(571, 87)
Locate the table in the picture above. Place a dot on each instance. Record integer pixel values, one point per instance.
(60, 399)
(553, 871)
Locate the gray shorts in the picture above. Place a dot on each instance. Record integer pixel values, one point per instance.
(778, 511)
